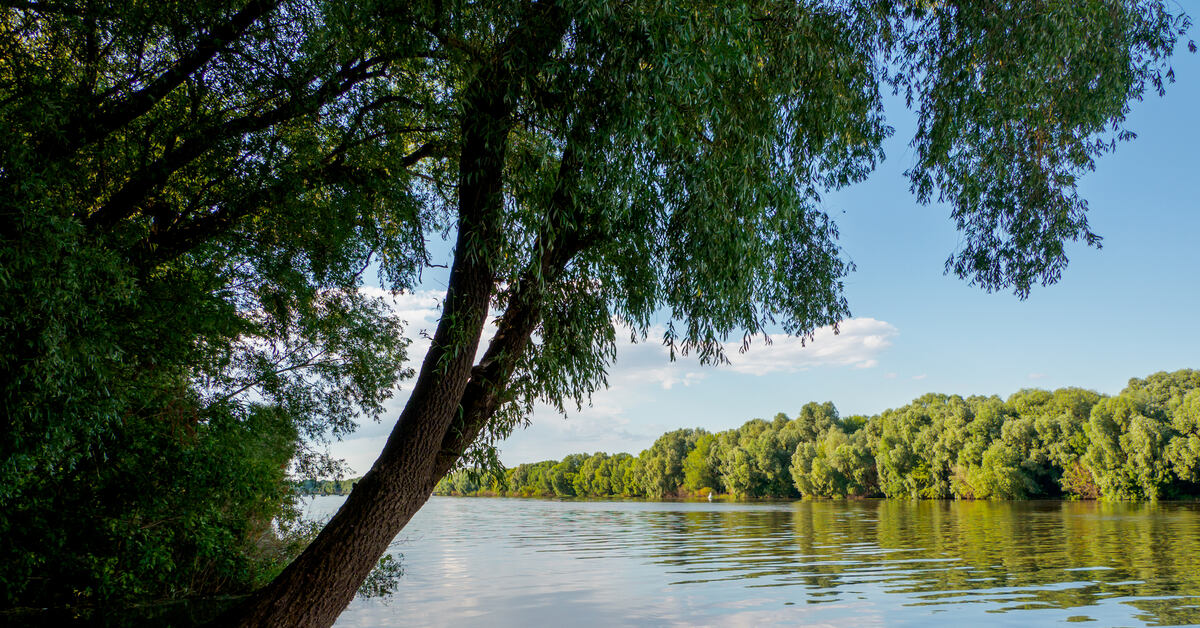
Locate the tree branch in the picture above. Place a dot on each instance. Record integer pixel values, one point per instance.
(428, 149)
(125, 202)
(558, 247)
(88, 125)
(165, 245)
(310, 362)
(565, 234)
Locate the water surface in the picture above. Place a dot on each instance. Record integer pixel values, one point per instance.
(516, 562)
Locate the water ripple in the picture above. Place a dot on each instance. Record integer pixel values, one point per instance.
(508, 562)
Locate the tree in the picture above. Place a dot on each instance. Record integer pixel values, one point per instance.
(1128, 448)
(563, 475)
(834, 464)
(698, 472)
(663, 462)
(589, 480)
(184, 220)
(596, 162)
(1140, 442)
(772, 456)
(814, 419)
(1185, 447)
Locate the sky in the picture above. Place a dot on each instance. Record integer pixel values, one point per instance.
(1127, 310)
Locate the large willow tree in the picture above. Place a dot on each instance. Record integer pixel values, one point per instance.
(191, 192)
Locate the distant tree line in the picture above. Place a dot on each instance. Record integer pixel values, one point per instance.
(326, 487)
(1142, 444)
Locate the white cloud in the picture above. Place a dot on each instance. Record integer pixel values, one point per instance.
(920, 377)
(890, 376)
(857, 343)
(668, 377)
(417, 308)
(644, 370)
(638, 364)
(1037, 375)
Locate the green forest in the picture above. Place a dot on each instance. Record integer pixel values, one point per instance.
(1142, 444)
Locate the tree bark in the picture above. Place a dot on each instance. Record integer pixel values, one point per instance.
(315, 588)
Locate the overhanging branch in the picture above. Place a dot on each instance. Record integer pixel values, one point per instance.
(88, 125)
(126, 201)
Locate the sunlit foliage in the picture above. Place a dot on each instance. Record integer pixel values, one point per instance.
(1069, 443)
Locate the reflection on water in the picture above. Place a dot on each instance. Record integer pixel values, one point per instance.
(510, 562)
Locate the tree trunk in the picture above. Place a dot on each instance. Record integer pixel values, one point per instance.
(316, 587)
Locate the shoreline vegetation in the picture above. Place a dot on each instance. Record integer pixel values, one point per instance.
(310, 487)
(1071, 443)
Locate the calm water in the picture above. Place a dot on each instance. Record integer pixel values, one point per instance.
(513, 562)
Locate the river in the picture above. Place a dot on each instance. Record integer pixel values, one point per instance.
(519, 562)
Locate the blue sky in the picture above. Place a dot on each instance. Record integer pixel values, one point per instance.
(1127, 310)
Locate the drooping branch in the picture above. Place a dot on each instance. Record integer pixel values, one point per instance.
(310, 362)
(484, 392)
(566, 233)
(558, 245)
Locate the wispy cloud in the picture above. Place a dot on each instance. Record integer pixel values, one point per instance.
(920, 377)
(1037, 375)
(858, 343)
(420, 307)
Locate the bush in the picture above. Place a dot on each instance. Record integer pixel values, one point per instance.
(204, 507)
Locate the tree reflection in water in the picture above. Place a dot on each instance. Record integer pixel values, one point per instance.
(516, 562)
(1024, 555)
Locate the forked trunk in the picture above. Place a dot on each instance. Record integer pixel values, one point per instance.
(452, 398)
(315, 588)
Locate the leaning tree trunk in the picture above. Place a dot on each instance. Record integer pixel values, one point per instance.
(317, 586)
(452, 398)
